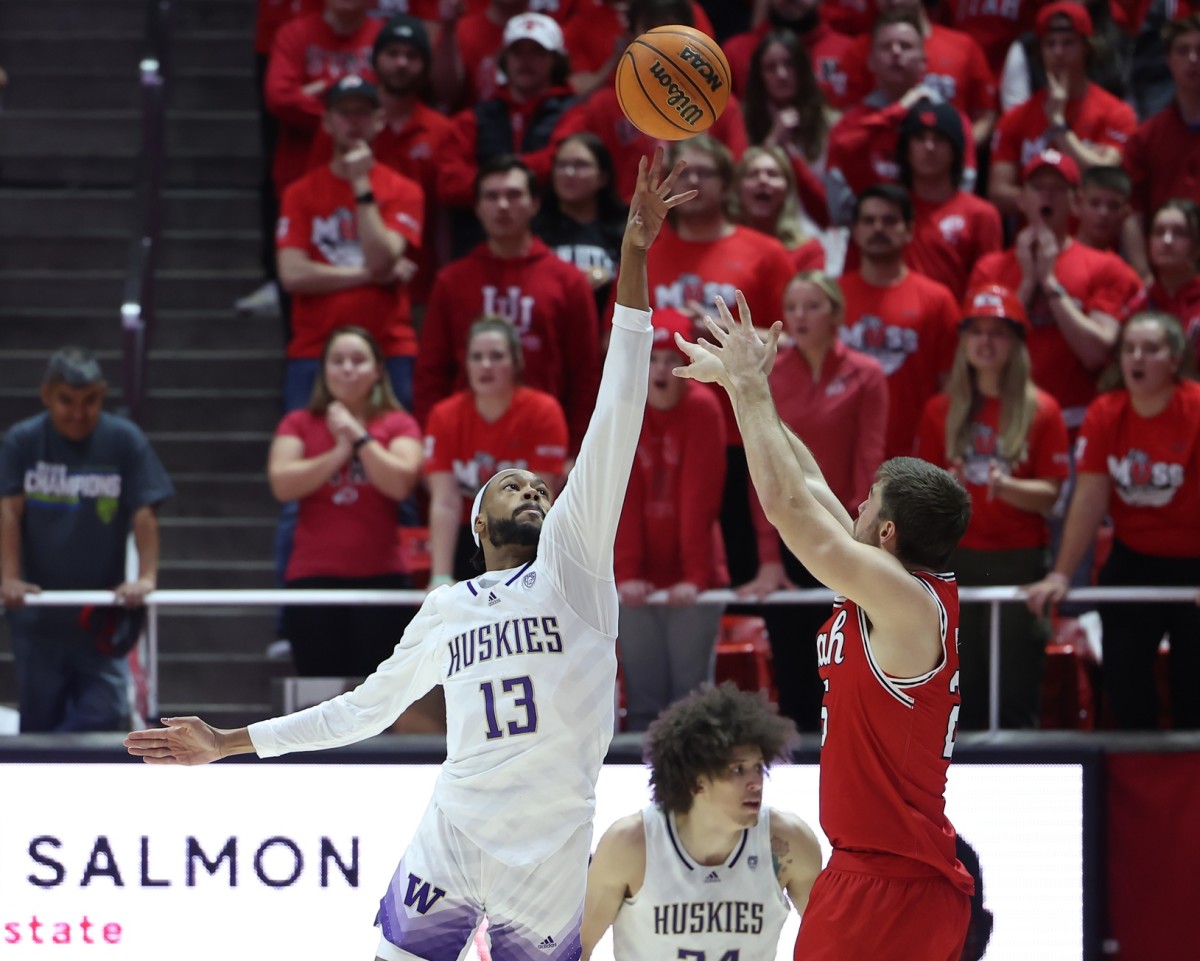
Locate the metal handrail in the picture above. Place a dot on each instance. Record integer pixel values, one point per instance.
(992, 596)
(137, 302)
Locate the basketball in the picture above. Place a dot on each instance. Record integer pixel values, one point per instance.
(673, 82)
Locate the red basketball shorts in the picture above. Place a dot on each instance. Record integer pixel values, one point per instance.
(884, 909)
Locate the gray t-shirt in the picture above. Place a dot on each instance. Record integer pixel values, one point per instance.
(80, 498)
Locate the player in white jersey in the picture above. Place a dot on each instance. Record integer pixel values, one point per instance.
(526, 656)
(705, 872)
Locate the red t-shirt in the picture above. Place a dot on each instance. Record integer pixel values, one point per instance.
(551, 305)
(531, 435)
(413, 151)
(948, 238)
(1163, 160)
(601, 114)
(479, 41)
(1097, 118)
(826, 49)
(1097, 281)
(886, 742)
(841, 416)
(681, 271)
(911, 329)
(1153, 465)
(955, 68)
(347, 527)
(995, 524)
(669, 530)
(306, 50)
(318, 215)
(994, 26)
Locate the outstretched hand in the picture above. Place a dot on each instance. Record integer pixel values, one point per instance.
(184, 740)
(739, 350)
(652, 198)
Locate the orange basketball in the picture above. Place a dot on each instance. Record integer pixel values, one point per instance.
(673, 82)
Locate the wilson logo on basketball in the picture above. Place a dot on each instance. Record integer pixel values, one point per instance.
(689, 113)
(705, 69)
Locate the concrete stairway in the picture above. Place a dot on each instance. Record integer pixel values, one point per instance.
(69, 137)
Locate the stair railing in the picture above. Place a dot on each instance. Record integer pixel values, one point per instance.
(137, 303)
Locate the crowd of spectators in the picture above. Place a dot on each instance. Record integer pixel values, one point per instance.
(963, 210)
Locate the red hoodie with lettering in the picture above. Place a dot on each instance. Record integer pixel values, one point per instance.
(551, 305)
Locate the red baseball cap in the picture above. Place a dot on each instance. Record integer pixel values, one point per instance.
(996, 300)
(668, 322)
(1063, 15)
(1055, 159)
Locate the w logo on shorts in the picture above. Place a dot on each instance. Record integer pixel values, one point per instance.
(418, 894)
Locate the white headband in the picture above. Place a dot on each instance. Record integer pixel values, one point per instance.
(476, 507)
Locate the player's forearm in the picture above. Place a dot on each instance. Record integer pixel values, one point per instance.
(633, 289)
(775, 469)
(234, 741)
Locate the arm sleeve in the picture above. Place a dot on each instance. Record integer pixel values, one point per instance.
(456, 164)
(294, 225)
(410, 672)
(577, 542)
(282, 88)
(147, 482)
(629, 560)
(404, 212)
(1091, 451)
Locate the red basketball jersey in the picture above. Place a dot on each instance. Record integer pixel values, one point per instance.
(886, 742)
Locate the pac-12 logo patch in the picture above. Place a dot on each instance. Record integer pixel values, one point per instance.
(529, 579)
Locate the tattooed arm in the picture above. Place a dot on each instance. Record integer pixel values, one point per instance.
(795, 856)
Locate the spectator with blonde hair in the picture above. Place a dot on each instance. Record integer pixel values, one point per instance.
(764, 198)
(1006, 442)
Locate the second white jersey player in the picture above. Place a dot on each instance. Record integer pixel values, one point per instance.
(732, 911)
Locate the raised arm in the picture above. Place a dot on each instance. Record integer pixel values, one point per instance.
(410, 672)
(873, 578)
(580, 531)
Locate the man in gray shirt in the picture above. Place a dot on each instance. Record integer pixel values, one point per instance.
(74, 481)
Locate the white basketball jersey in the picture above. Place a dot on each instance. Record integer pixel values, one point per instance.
(527, 657)
(724, 912)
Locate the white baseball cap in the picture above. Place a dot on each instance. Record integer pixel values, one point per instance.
(538, 27)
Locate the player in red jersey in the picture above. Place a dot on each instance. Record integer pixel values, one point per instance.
(894, 888)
